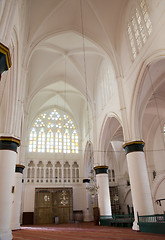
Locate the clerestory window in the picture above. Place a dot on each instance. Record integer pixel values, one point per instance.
(139, 27)
(53, 132)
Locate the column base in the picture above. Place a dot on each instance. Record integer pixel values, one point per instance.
(105, 220)
(135, 226)
(6, 235)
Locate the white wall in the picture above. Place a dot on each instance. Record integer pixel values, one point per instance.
(28, 199)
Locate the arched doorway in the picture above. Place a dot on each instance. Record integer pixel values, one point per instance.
(114, 157)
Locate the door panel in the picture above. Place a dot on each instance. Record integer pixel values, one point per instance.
(51, 203)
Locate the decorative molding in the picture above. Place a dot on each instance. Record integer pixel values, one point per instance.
(134, 146)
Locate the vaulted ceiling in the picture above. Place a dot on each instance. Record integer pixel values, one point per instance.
(67, 43)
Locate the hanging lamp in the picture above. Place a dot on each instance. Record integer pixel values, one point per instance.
(92, 188)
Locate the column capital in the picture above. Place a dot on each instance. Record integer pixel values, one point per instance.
(5, 59)
(134, 146)
(19, 168)
(101, 169)
(9, 143)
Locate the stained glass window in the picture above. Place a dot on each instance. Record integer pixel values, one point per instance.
(50, 141)
(33, 141)
(54, 131)
(41, 141)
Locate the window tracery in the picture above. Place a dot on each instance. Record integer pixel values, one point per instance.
(139, 28)
(53, 131)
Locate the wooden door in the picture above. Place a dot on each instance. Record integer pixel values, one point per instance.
(63, 205)
(43, 207)
(51, 203)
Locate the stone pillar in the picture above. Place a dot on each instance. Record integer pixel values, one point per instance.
(16, 206)
(140, 188)
(104, 202)
(87, 207)
(8, 156)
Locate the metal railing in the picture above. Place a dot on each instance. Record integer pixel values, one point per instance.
(156, 218)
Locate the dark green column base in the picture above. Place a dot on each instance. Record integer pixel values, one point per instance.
(105, 220)
(116, 221)
(151, 227)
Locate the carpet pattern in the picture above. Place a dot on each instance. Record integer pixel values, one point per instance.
(81, 231)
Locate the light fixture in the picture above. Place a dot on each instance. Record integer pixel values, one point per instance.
(92, 188)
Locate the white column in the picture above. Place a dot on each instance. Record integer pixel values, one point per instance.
(8, 147)
(86, 206)
(16, 206)
(140, 188)
(104, 202)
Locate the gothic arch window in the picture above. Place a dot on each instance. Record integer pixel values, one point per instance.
(66, 172)
(53, 131)
(31, 170)
(40, 171)
(75, 172)
(48, 173)
(49, 170)
(139, 27)
(58, 172)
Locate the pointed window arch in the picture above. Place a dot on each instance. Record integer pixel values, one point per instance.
(53, 132)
